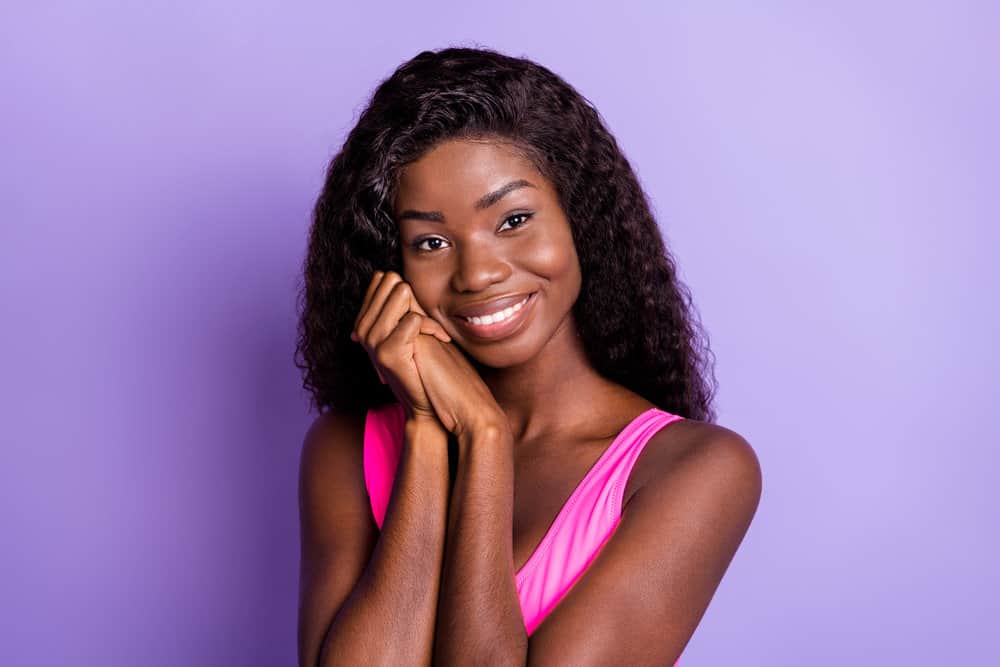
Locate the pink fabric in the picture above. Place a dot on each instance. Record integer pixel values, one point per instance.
(581, 528)
(383, 444)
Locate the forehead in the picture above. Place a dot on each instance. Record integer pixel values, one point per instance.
(457, 172)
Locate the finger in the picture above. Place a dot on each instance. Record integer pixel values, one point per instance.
(365, 301)
(395, 306)
(433, 327)
(402, 335)
(373, 312)
(415, 305)
(406, 331)
(429, 325)
(372, 285)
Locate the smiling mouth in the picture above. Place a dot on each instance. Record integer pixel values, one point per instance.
(498, 324)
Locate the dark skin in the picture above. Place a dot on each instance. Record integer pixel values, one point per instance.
(521, 452)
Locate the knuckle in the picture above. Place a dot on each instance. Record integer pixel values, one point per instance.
(382, 355)
(402, 288)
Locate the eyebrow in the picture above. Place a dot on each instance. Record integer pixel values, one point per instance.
(482, 203)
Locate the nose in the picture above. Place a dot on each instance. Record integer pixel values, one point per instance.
(479, 266)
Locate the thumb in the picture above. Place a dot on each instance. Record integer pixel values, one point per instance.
(415, 305)
(428, 324)
(433, 328)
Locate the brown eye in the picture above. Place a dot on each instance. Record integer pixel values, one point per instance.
(418, 243)
(525, 217)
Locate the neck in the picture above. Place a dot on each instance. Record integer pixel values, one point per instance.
(555, 392)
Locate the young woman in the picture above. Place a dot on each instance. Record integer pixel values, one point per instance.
(515, 460)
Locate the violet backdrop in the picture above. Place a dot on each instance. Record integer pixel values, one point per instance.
(826, 177)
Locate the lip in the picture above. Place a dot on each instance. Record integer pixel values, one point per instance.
(491, 306)
(498, 329)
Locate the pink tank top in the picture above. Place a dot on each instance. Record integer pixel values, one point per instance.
(579, 530)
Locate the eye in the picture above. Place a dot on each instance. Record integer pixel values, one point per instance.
(418, 243)
(525, 217)
(517, 221)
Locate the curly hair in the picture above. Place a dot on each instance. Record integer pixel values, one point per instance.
(647, 337)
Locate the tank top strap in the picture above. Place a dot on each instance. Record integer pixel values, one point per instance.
(593, 509)
(627, 448)
(585, 522)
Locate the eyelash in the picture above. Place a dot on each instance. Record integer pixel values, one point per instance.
(416, 244)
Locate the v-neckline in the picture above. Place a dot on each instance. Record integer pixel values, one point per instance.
(543, 544)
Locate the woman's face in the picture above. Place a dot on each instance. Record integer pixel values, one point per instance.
(481, 230)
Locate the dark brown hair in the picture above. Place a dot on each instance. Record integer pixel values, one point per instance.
(635, 317)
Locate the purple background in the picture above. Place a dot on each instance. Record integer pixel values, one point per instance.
(826, 177)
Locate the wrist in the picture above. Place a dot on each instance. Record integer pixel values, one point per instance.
(421, 428)
(491, 433)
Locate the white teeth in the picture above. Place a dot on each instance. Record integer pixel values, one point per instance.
(500, 315)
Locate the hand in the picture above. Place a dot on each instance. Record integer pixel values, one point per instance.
(389, 323)
(462, 401)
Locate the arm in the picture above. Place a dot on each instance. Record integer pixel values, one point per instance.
(639, 601)
(479, 613)
(378, 610)
(644, 593)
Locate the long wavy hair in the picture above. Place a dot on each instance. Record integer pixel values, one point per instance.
(636, 319)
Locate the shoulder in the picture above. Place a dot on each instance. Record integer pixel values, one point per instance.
(710, 444)
(333, 430)
(693, 456)
(333, 502)
(332, 451)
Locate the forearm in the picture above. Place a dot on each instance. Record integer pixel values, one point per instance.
(479, 613)
(390, 614)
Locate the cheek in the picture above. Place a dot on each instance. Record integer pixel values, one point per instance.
(417, 280)
(555, 257)
(428, 285)
(424, 293)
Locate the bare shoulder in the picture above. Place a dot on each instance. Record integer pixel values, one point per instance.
(332, 450)
(333, 424)
(709, 455)
(333, 499)
(330, 427)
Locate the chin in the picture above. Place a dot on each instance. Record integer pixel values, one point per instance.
(498, 356)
